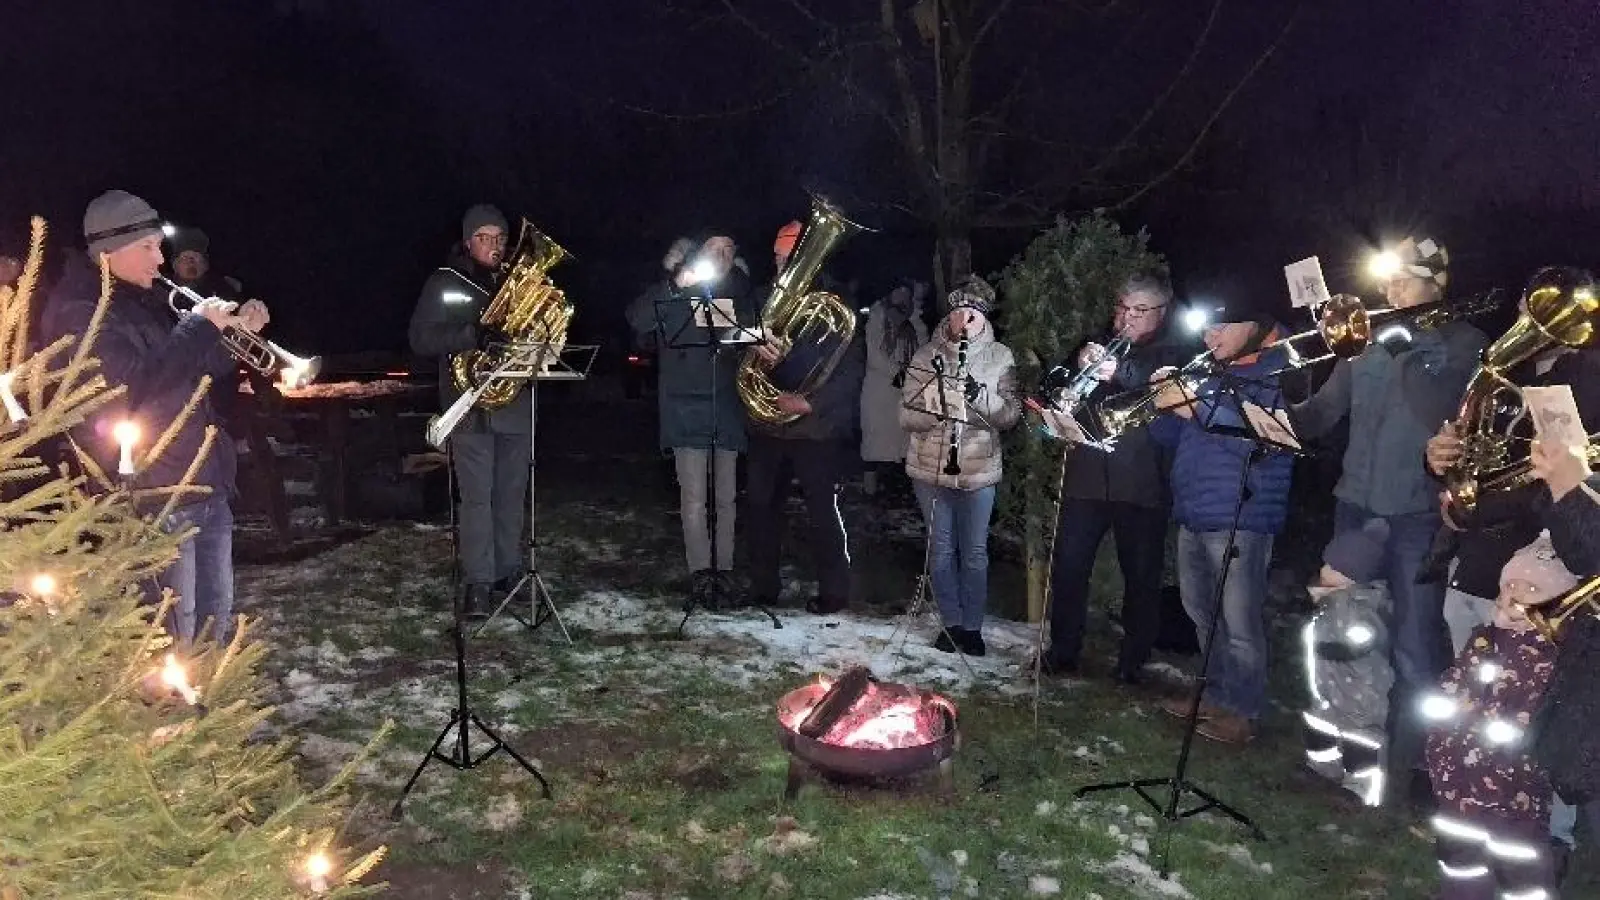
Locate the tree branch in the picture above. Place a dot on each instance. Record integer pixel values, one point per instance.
(1216, 114)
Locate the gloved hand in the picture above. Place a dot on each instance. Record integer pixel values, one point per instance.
(972, 389)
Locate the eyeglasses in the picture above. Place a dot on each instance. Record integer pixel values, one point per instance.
(1141, 310)
(488, 238)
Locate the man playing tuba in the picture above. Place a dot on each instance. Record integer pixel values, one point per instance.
(489, 450)
(813, 448)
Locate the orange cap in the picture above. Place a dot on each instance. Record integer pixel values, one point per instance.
(788, 236)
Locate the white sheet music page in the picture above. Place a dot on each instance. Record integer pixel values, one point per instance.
(1555, 415)
(1307, 287)
(954, 400)
(716, 313)
(1272, 425)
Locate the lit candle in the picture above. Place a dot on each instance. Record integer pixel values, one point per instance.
(42, 584)
(127, 434)
(318, 869)
(173, 676)
(13, 408)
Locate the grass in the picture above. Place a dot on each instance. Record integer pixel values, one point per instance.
(668, 779)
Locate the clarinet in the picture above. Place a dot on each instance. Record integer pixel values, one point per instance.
(968, 385)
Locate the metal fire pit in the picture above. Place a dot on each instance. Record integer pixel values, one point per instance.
(840, 762)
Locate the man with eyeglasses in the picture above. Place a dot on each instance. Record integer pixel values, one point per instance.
(1123, 491)
(489, 450)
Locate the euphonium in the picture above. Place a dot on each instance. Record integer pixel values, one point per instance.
(528, 308)
(252, 349)
(1585, 598)
(1560, 307)
(792, 317)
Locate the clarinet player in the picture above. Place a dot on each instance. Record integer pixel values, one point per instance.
(953, 455)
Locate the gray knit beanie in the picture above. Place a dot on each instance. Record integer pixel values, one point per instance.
(116, 219)
(480, 216)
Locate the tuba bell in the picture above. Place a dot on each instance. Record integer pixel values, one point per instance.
(1561, 307)
(795, 316)
(528, 308)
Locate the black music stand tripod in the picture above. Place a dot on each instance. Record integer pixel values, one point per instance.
(462, 718)
(1265, 432)
(709, 317)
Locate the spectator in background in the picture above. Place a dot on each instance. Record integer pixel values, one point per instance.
(191, 266)
(10, 269)
(894, 332)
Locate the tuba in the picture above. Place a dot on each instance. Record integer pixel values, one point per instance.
(792, 317)
(528, 308)
(1561, 307)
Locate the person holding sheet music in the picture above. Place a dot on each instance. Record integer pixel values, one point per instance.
(701, 420)
(1394, 395)
(954, 456)
(1206, 472)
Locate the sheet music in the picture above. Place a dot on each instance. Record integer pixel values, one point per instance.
(1272, 425)
(717, 313)
(1307, 287)
(1555, 415)
(954, 404)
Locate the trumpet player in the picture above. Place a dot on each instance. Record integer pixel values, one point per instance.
(490, 452)
(955, 466)
(161, 365)
(1123, 491)
(1394, 395)
(1206, 471)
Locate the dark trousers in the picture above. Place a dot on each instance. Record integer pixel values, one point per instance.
(491, 471)
(1141, 536)
(768, 465)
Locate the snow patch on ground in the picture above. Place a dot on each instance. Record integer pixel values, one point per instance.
(1134, 872)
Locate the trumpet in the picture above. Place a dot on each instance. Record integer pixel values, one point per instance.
(1585, 598)
(1344, 325)
(249, 348)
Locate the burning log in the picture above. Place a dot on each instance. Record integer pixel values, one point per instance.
(836, 702)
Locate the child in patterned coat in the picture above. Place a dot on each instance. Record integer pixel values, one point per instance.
(1493, 821)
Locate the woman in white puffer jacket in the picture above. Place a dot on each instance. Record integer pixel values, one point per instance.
(958, 505)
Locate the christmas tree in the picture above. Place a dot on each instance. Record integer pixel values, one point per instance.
(129, 767)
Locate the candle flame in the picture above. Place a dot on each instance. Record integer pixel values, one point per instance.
(43, 584)
(125, 432)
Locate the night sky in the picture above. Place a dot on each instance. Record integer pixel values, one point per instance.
(329, 148)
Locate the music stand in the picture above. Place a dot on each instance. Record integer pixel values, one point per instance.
(534, 362)
(1225, 410)
(462, 717)
(949, 398)
(709, 323)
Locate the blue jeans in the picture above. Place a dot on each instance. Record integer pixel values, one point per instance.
(1419, 647)
(202, 576)
(1236, 679)
(958, 523)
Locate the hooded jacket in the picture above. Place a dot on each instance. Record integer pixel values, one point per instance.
(446, 322)
(160, 363)
(978, 448)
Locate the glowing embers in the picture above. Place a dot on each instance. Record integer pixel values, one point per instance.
(856, 727)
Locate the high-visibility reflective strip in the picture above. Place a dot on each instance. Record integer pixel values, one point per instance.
(1373, 795)
(1438, 708)
(1499, 731)
(1361, 740)
(1529, 894)
(1488, 672)
(1464, 873)
(1513, 851)
(1322, 725)
(1308, 636)
(1453, 828)
(456, 297)
(1324, 756)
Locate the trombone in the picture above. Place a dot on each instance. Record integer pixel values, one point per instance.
(1585, 598)
(252, 349)
(1344, 325)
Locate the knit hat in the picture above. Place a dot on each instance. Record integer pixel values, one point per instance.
(1358, 553)
(788, 236)
(972, 293)
(1539, 566)
(481, 216)
(188, 239)
(1425, 259)
(116, 219)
